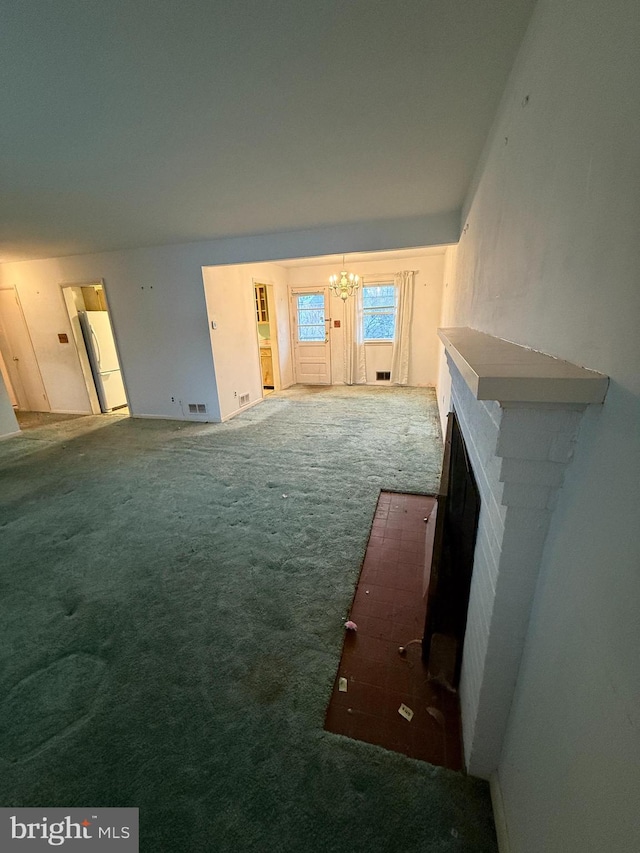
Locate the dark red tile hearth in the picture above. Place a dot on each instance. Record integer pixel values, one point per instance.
(389, 610)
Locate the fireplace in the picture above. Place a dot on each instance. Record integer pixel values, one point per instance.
(517, 413)
(451, 567)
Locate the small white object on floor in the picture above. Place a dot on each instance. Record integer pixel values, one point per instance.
(350, 626)
(405, 712)
(285, 496)
(437, 715)
(342, 684)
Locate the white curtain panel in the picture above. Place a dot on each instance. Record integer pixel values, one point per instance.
(355, 369)
(402, 338)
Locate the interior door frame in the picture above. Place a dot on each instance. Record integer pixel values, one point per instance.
(80, 346)
(293, 321)
(18, 392)
(273, 329)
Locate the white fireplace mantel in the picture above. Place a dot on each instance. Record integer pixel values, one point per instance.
(519, 412)
(495, 369)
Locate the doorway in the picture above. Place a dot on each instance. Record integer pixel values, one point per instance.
(20, 365)
(96, 347)
(311, 348)
(267, 329)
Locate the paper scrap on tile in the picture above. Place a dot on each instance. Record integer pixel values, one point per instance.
(342, 685)
(405, 712)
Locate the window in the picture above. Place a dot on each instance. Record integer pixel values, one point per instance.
(378, 312)
(311, 319)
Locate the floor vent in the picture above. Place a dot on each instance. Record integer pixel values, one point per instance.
(383, 375)
(197, 408)
(244, 399)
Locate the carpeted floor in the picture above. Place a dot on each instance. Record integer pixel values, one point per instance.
(171, 607)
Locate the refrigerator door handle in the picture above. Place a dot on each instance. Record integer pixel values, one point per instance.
(96, 344)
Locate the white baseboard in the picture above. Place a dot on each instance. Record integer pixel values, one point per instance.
(499, 814)
(195, 420)
(10, 434)
(242, 409)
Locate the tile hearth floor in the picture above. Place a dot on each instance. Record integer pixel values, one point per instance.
(389, 610)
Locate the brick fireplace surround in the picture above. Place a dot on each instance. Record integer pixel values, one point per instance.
(519, 412)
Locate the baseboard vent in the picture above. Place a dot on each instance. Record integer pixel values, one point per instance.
(383, 375)
(244, 399)
(197, 408)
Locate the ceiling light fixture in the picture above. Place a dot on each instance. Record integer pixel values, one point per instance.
(345, 285)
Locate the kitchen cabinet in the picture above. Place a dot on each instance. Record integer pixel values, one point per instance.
(262, 306)
(266, 364)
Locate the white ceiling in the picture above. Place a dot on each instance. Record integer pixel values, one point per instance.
(132, 123)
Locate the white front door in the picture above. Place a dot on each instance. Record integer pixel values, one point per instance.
(19, 357)
(312, 354)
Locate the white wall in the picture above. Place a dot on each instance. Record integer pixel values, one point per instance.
(447, 318)
(46, 315)
(230, 298)
(157, 305)
(551, 259)
(157, 308)
(427, 304)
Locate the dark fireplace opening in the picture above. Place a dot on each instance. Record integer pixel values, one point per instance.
(449, 575)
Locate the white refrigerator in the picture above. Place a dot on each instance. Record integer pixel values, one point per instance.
(101, 349)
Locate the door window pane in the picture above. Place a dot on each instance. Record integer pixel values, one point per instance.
(311, 333)
(311, 300)
(311, 317)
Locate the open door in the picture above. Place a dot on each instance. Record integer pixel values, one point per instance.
(311, 348)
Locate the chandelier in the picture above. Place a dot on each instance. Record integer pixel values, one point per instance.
(345, 285)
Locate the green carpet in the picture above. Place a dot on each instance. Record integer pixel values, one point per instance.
(171, 624)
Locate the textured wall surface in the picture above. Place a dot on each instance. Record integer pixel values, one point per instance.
(550, 258)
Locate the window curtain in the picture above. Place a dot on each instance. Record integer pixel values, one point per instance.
(402, 339)
(355, 370)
